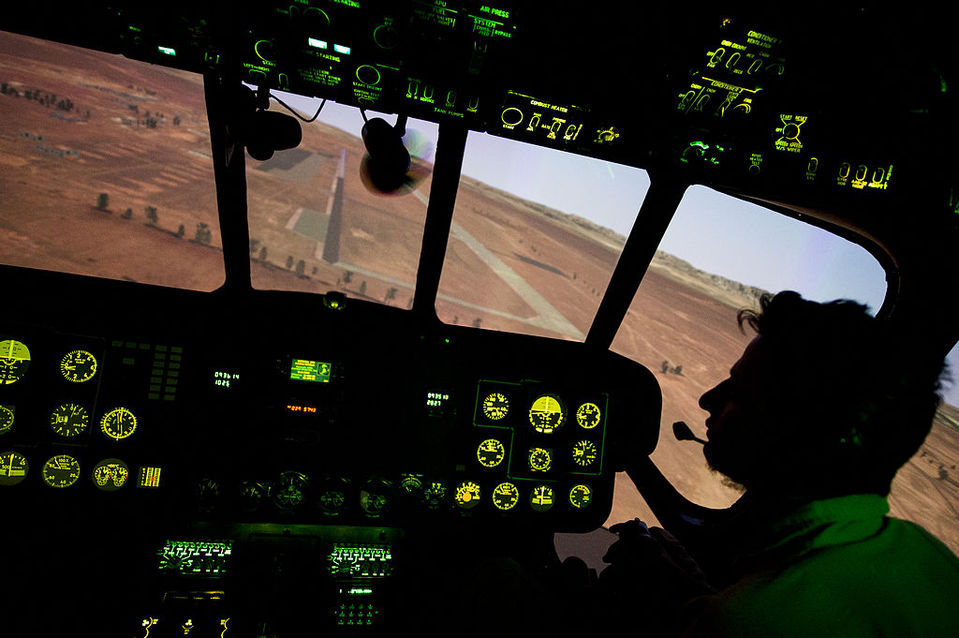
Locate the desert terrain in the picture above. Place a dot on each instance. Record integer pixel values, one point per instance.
(137, 134)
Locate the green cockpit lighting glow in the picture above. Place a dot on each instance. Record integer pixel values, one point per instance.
(166, 50)
(14, 361)
(201, 559)
(434, 494)
(110, 475)
(359, 560)
(505, 496)
(788, 133)
(316, 43)
(309, 370)
(547, 414)
(339, 48)
(149, 476)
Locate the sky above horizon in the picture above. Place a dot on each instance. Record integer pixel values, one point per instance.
(714, 232)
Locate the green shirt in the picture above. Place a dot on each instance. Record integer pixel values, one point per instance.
(840, 567)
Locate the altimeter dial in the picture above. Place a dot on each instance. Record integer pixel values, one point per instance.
(495, 406)
(588, 415)
(78, 366)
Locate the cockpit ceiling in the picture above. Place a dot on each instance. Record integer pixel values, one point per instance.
(840, 105)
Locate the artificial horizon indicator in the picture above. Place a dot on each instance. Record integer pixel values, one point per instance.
(118, 423)
(13, 468)
(14, 361)
(547, 413)
(69, 420)
(61, 471)
(495, 406)
(78, 366)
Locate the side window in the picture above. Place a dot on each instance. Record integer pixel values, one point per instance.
(718, 256)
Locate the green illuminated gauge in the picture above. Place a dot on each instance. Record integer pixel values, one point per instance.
(374, 497)
(69, 420)
(411, 485)
(290, 490)
(588, 416)
(584, 453)
(78, 366)
(253, 494)
(118, 423)
(547, 414)
(540, 459)
(13, 468)
(495, 406)
(61, 470)
(467, 495)
(505, 496)
(542, 498)
(7, 415)
(490, 453)
(580, 496)
(110, 475)
(14, 361)
(435, 494)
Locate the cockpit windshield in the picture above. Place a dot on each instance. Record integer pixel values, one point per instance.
(105, 167)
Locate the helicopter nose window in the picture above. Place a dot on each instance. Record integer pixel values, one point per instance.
(535, 237)
(321, 219)
(105, 167)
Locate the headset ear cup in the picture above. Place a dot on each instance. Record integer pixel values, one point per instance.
(387, 162)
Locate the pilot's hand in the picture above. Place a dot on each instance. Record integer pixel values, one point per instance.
(654, 557)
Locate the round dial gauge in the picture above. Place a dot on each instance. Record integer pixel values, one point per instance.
(467, 495)
(542, 498)
(495, 406)
(7, 415)
(580, 496)
(118, 423)
(434, 494)
(505, 496)
(13, 468)
(490, 453)
(547, 413)
(78, 366)
(588, 416)
(290, 489)
(110, 475)
(540, 459)
(584, 453)
(61, 470)
(14, 361)
(411, 484)
(69, 420)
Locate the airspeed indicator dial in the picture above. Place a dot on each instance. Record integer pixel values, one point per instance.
(495, 406)
(78, 366)
(61, 471)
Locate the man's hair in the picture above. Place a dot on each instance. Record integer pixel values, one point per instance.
(862, 389)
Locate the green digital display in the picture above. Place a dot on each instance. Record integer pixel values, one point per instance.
(359, 560)
(309, 370)
(202, 559)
